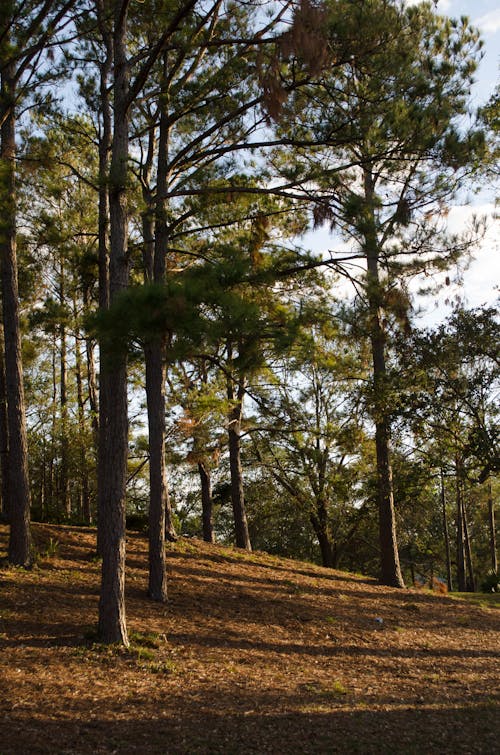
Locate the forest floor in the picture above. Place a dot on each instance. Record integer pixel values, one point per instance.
(251, 654)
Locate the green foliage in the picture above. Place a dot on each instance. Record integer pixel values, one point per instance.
(491, 583)
(375, 142)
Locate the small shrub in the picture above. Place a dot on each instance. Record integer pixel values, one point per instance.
(137, 522)
(146, 639)
(491, 582)
(162, 667)
(338, 688)
(143, 654)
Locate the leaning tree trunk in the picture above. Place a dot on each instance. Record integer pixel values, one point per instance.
(206, 502)
(19, 551)
(114, 420)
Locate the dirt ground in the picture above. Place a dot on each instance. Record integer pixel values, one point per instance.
(252, 654)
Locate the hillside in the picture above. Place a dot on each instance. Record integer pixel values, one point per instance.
(252, 654)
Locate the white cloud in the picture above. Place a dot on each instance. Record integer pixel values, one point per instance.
(489, 23)
(481, 280)
(442, 6)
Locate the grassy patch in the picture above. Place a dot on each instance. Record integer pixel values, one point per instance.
(329, 691)
(483, 599)
(147, 639)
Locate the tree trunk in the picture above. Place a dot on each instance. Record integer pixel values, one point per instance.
(446, 534)
(234, 437)
(155, 395)
(64, 492)
(91, 376)
(114, 425)
(325, 541)
(4, 435)
(493, 537)
(53, 499)
(390, 568)
(461, 580)
(105, 144)
(470, 581)
(86, 512)
(389, 556)
(206, 502)
(19, 552)
(160, 513)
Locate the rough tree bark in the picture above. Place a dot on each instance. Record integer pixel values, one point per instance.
(64, 488)
(19, 551)
(4, 435)
(156, 245)
(84, 509)
(389, 556)
(104, 149)
(114, 420)
(234, 437)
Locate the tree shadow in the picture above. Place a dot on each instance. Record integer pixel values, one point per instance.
(259, 728)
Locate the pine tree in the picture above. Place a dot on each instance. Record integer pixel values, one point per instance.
(392, 114)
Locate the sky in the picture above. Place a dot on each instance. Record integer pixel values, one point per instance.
(481, 283)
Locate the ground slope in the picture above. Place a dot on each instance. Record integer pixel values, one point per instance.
(252, 654)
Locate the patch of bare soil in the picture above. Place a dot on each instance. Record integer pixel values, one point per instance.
(252, 654)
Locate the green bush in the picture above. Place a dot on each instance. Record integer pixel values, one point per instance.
(491, 582)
